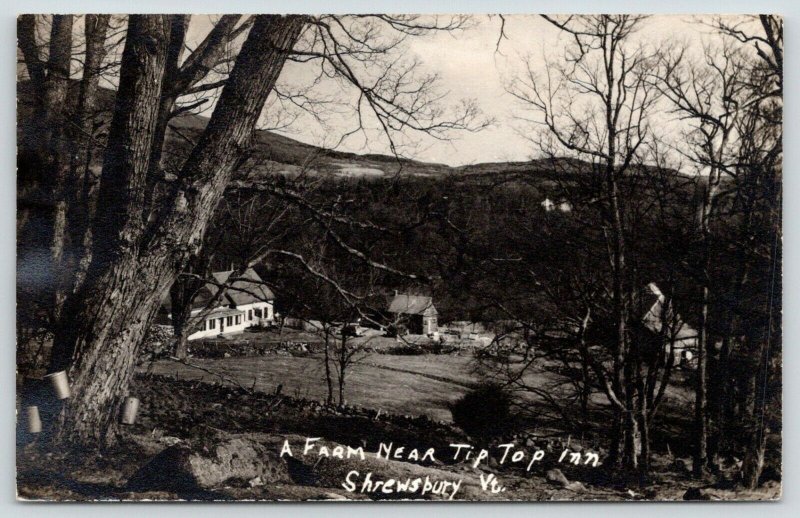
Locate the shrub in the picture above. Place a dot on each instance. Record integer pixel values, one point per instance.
(484, 412)
(406, 350)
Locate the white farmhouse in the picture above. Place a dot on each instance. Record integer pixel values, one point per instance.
(245, 302)
(562, 206)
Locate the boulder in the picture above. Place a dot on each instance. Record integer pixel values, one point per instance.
(575, 486)
(554, 476)
(181, 468)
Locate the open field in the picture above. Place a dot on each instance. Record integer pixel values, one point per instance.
(414, 385)
(371, 339)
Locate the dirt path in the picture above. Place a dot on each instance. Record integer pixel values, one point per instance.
(423, 374)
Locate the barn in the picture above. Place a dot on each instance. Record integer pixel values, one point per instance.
(416, 312)
(651, 302)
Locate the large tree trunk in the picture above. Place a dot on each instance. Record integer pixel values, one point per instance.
(26, 39)
(82, 183)
(132, 268)
(104, 320)
(179, 26)
(43, 157)
(755, 403)
(55, 102)
(181, 303)
(179, 79)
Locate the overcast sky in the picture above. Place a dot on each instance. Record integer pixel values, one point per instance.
(469, 66)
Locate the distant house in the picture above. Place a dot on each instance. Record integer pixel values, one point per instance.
(651, 302)
(245, 302)
(562, 206)
(416, 312)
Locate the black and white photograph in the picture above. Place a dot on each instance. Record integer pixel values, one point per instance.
(399, 257)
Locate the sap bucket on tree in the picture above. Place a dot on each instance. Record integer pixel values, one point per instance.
(60, 384)
(129, 410)
(34, 421)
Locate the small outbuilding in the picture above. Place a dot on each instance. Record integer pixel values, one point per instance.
(416, 312)
(655, 310)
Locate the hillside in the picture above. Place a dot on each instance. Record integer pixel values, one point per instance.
(277, 153)
(281, 154)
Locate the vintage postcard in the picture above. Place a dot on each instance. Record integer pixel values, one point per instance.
(399, 257)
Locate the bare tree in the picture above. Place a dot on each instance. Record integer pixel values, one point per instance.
(732, 99)
(594, 106)
(82, 181)
(759, 198)
(126, 287)
(709, 95)
(136, 253)
(44, 145)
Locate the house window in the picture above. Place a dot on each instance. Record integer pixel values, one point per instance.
(238, 319)
(204, 326)
(212, 324)
(249, 314)
(229, 321)
(258, 312)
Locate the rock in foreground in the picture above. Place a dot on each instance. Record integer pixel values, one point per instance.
(181, 469)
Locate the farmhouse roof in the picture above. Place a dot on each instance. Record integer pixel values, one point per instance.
(652, 301)
(223, 312)
(406, 304)
(244, 289)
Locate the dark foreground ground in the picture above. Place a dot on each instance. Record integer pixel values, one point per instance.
(201, 441)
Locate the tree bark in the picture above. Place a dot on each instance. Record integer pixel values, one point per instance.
(131, 268)
(343, 365)
(83, 182)
(753, 461)
(55, 103)
(179, 23)
(700, 411)
(26, 40)
(701, 458)
(328, 376)
(179, 78)
(108, 315)
(181, 303)
(43, 153)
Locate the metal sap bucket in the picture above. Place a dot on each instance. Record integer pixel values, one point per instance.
(60, 384)
(129, 410)
(34, 421)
